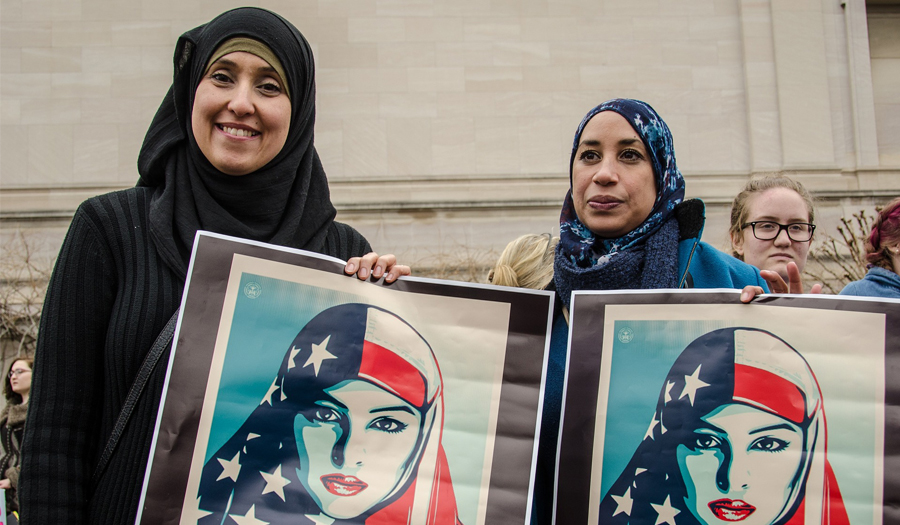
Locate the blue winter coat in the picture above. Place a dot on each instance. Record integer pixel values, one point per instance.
(878, 282)
(699, 266)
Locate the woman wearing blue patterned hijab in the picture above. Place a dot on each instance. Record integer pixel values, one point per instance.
(624, 225)
(607, 158)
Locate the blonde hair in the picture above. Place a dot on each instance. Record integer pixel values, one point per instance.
(739, 210)
(526, 262)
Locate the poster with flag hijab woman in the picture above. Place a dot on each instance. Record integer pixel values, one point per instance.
(296, 394)
(709, 411)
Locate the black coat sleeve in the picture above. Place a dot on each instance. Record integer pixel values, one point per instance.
(61, 430)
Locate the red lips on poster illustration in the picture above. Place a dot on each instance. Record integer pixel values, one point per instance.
(731, 510)
(343, 485)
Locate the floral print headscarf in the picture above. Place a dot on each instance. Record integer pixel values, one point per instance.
(577, 241)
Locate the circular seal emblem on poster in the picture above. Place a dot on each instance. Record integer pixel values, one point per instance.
(626, 335)
(252, 289)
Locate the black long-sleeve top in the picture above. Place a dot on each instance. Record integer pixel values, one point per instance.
(109, 297)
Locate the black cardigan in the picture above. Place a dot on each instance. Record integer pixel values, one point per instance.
(109, 297)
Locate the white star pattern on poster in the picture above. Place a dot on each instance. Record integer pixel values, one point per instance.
(249, 518)
(637, 472)
(230, 469)
(623, 502)
(669, 385)
(692, 383)
(294, 352)
(317, 354)
(665, 513)
(268, 397)
(194, 514)
(275, 482)
(653, 424)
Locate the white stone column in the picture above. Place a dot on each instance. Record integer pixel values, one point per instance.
(865, 136)
(761, 86)
(804, 103)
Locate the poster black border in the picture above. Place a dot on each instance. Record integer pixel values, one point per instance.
(517, 425)
(576, 440)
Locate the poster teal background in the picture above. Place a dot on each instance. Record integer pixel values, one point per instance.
(639, 368)
(265, 324)
(261, 332)
(639, 371)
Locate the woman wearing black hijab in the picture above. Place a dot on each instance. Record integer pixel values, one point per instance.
(230, 150)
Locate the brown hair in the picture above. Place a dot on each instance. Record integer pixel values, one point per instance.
(739, 205)
(885, 235)
(526, 262)
(14, 397)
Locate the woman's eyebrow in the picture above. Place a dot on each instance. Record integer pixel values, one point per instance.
(771, 218)
(402, 408)
(779, 426)
(226, 62)
(594, 142)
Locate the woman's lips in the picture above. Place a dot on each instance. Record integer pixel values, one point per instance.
(731, 510)
(237, 131)
(604, 203)
(343, 485)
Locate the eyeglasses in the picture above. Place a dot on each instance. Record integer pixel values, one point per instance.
(768, 230)
(18, 372)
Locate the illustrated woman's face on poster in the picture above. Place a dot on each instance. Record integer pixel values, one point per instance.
(740, 464)
(355, 447)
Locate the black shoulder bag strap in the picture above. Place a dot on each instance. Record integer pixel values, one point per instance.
(163, 340)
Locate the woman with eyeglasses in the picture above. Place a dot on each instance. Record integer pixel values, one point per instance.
(772, 229)
(12, 425)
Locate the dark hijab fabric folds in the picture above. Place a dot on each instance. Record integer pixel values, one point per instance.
(285, 202)
(644, 258)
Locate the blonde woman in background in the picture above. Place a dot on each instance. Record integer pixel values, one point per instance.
(526, 262)
(772, 225)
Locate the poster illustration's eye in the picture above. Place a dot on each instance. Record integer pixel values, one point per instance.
(705, 442)
(769, 444)
(326, 415)
(388, 424)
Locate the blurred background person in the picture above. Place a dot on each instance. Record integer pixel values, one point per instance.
(526, 262)
(883, 254)
(12, 425)
(772, 225)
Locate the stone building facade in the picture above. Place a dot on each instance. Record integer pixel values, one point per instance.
(445, 125)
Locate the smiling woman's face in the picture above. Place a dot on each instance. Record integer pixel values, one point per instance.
(741, 465)
(241, 114)
(355, 447)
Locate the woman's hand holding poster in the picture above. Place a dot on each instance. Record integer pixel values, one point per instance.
(708, 411)
(296, 394)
